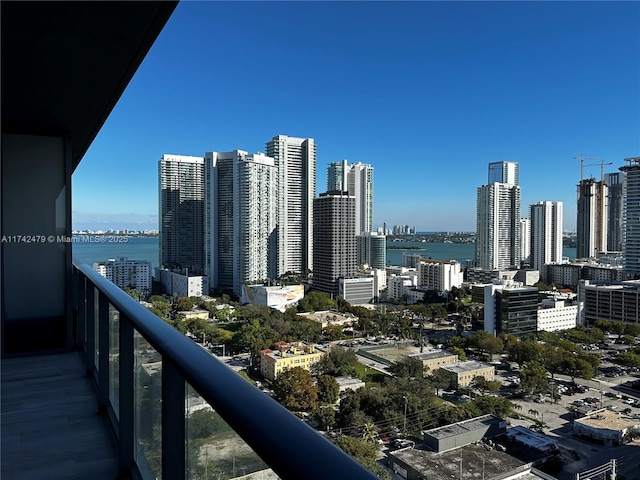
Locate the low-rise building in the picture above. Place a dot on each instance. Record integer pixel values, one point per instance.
(448, 437)
(465, 372)
(439, 275)
(614, 302)
(287, 355)
(126, 273)
(327, 318)
(349, 383)
(398, 286)
(181, 285)
(357, 291)
(278, 297)
(433, 359)
(557, 313)
(610, 428)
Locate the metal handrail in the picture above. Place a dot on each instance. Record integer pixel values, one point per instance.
(287, 445)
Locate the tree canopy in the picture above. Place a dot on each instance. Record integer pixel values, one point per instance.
(295, 389)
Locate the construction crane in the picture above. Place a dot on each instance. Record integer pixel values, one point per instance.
(582, 158)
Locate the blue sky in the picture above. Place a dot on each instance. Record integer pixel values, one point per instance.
(428, 93)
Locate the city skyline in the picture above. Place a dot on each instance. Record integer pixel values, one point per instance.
(427, 93)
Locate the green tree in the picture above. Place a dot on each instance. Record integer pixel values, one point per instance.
(334, 332)
(183, 304)
(134, 293)
(441, 380)
(315, 301)
(462, 356)
(294, 388)
(533, 378)
(489, 343)
(524, 351)
(408, 367)
(485, 385)
(339, 361)
(328, 389)
(500, 407)
(364, 453)
(253, 337)
(325, 415)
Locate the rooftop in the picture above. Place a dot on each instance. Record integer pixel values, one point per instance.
(464, 426)
(477, 460)
(466, 366)
(604, 418)
(431, 354)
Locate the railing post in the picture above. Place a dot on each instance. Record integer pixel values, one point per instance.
(126, 397)
(173, 421)
(90, 326)
(103, 351)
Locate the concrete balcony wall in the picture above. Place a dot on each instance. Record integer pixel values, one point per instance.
(35, 261)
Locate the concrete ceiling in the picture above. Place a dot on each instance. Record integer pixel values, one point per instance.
(66, 64)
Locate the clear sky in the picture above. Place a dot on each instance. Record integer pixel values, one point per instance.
(428, 93)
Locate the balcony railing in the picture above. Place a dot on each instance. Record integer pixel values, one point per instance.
(176, 411)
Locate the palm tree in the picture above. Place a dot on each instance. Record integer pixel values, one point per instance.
(369, 433)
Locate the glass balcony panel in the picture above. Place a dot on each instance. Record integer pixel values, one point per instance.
(213, 449)
(96, 330)
(114, 359)
(148, 404)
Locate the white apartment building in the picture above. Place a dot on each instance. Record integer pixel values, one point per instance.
(357, 291)
(498, 219)
(525, 238)
(557, 314)
(241, 218)
(357, 179)
(546, 234)
(175, 283)
(295, 159)
(398, 286)
(440, 275)
(126, 273)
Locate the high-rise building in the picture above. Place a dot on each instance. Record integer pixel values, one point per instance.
(372, 250)
(334, 240)
(614, 182)
(181, 199)
(546, 234)
(241, 218)
(357, 179)
(631, 217)
(498, 219)
(591, 235)
(295, 159)
(525, 238)
(504, 172)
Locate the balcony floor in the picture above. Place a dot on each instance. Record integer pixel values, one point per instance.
(50, 426)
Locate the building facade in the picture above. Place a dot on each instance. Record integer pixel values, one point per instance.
(241, 219)
(525, 238)
(127, 273)
(465, 372)
(287, 355)
(592, 221)
(440, 275)
(557, 314)
(357, 291)
(615, 184)
(498, 219)
(357, 179)
(181, 199)
(631, 217)
(335, 253)
(546, 234)
(372, 250)
(615, 302)
(295, 159)
(510, 308)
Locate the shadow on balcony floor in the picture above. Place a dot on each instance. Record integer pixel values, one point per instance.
(50, 425)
